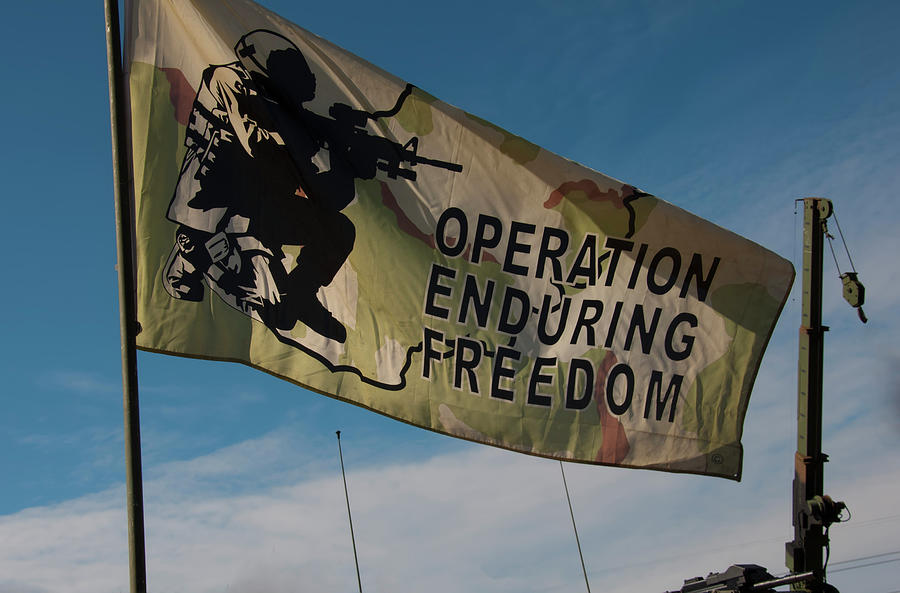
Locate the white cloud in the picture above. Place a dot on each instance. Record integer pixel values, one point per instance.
(80, 382)
(475, 519)
(75, 543)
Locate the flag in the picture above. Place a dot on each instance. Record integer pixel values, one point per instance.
(303, 212)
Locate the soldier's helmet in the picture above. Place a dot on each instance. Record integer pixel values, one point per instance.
(277, 66)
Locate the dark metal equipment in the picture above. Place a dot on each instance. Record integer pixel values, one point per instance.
(740, 578)
(813, 511)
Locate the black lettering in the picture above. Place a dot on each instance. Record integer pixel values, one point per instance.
(585, 263)
(579, 366)
(499, 372)
(688, 341)
(672, 390)
(543, 336)
(470, 296)
(441, 232)
(640, 324)
(513, 247)
(617, 246)
(546, 254)
(613, 325)
(636, 270)
(480, 241)
(614, 373)
(436, 288)
(535, 398)
(587, 320)
(695, 271)
(464, 345)
(665, 252)
(428, 351)
(505, 324)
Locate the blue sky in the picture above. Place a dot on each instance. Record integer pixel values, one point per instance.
(730, 110)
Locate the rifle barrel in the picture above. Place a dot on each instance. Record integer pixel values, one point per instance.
(436, 163)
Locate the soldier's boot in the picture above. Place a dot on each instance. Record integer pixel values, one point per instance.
(301, 304)
(315, 316)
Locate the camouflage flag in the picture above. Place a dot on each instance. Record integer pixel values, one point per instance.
(301, 211)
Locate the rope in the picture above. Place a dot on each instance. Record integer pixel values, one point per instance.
(833, 256)
(841, 233)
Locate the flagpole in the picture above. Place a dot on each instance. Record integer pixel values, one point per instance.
(128, 325)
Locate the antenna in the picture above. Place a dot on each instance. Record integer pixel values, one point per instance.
(349, 516)
(572, 514)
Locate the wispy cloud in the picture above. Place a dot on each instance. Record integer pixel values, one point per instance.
(82, 382)
(9, 586)
(87, 437)
(476, 519)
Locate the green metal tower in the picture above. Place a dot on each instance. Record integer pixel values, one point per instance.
(813, 511)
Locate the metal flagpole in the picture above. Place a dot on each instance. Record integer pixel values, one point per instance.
(128, 325)
(572, 514)
(349, 516)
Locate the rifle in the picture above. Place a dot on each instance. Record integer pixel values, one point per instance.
(345, 133)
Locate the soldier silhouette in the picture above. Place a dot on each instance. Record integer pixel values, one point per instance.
(248, 186)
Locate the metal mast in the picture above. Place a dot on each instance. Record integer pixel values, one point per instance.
(813, 512)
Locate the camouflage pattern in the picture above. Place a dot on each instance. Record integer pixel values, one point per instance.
(644, 325)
